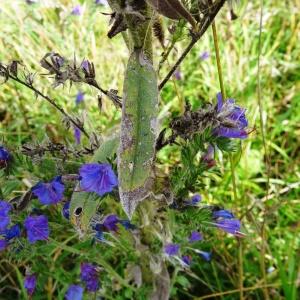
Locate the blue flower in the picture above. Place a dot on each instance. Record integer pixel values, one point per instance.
(85, 67)
(80, 95)
(194, 200)
(51, 192)
(172, 249)
(232, 118)
(186, 260)
(4, 157)
(223, 213)
(3, 245)
(30, 284)
(89, 276)
(77, 135)
(98, 178)
(77, 10)
(37, 228)
(4, 221)
(204, 55)
(178, 75)
(13, 232)
(74, 292)
(110, 222)
(5, 208)
(66, 210)
(205, 255)
(195, 237)
(127, 225)
(232, 226)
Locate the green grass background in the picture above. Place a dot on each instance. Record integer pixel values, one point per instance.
(27, 32)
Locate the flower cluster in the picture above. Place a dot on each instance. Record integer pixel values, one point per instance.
(110, 224)
(220, 218)
(98, 178)
(7, 233)
(226, 221)
(232, 118)
(89, 276)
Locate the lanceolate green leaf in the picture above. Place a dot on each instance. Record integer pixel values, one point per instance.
(83, 204)
(138, 131)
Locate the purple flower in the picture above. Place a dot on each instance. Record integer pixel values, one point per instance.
(13, 232)
(232, 118)
(110, 222)
(77, 10)
(186, 259)
(194, 200)
(172, 249)
(77, 134)
(195, 237)
(101, 2)
(87, 270)
(66, 210)
(4, 221)
(51, 192)
(30, 284)
(4, 157)
(223, 213)
(5, 208)
(205, 255)
(232, 226)
(204, 55)
(80, 95)
(37, 228)
(85, 66)
(89, 276)
(178, 75)
(74, 292)
(3, 245)
(98, 178)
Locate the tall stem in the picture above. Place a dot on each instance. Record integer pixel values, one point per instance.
(267, 162)
(233, 179)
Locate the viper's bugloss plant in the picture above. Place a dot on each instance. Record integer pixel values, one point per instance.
(132, 221)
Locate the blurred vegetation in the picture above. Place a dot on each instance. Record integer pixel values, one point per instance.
(28, 32)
